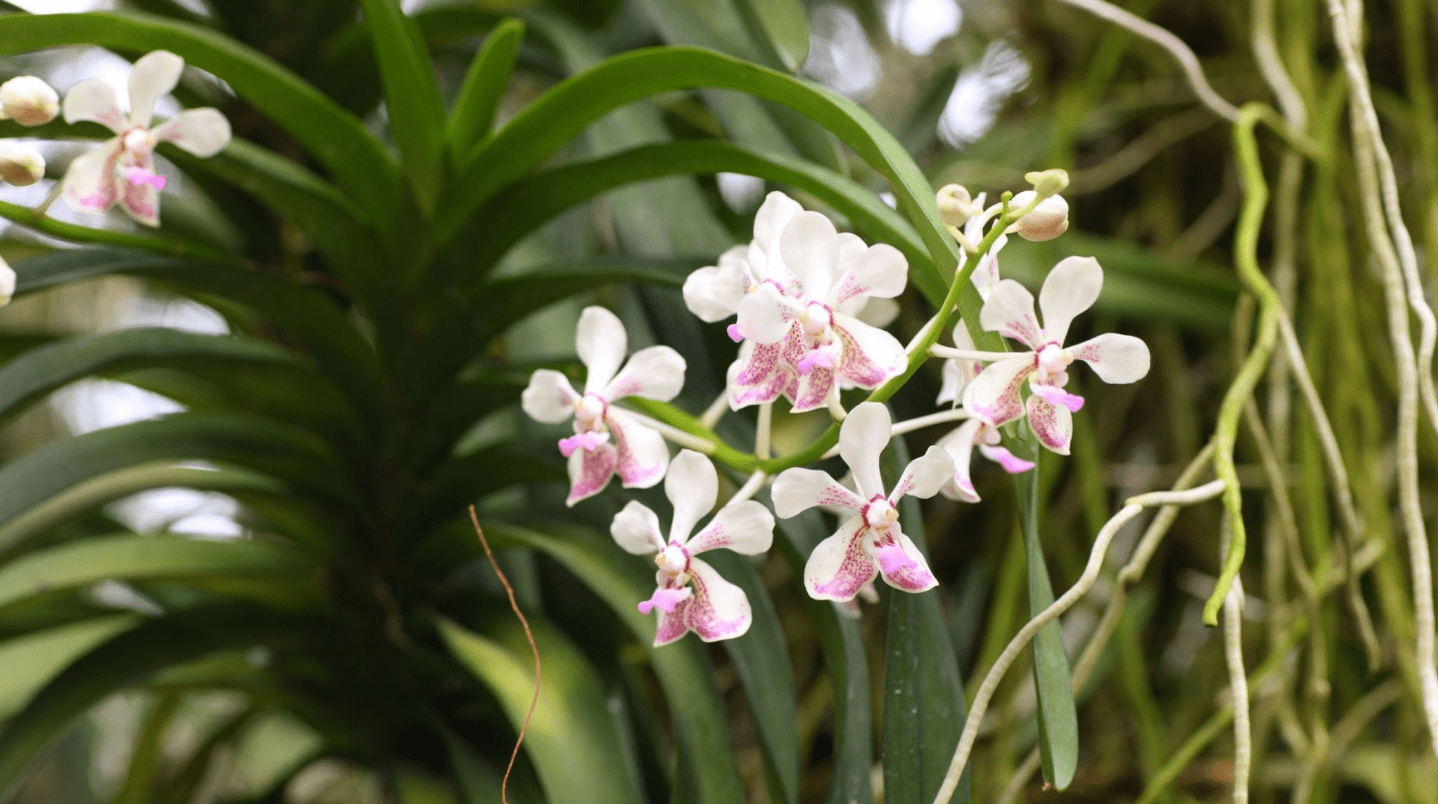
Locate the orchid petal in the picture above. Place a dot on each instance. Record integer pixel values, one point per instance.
(154, 74)
(810, 247)
(94, 100)
(202, 132)
(589, 471)
(951, 384)
(906, 568)
(89, 183)
(994, 395)
(924, 475)
(863, 435)
(141, 201)
(840, 566)
(1071, 288)
(549, 397)
(719, 610)
(960, 446)
(713, 293)
(745, 527)
(692, 488)
(880, 271)
(813, 391)
(654, 372)
(761, 376)
(1055, 395)
(636, 529)
(1053, 425)
(877, 313)
(871, 356)
(1115, 358)
(1011, 463)
(986, 274)
(671, 625)
(765, 316)
(1010, 310)
(601, 342)
(643, 456)
(769, 222)
(797, 490)
(584, 441)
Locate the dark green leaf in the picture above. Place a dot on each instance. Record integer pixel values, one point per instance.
(141, 777)
(781, 27)
(483, 87)
(411, 94)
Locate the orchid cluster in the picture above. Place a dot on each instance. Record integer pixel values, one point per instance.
(809, 305)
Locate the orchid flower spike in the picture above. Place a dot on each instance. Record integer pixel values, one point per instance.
(690, 594)
(122, 169)
(957, 374)
(607, 440)
(869, 542)
(807, 339)
(995, 395)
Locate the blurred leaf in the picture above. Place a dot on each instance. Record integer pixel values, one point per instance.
(573, 738)
(411, 95)
(139, 786)
(28, 662)
(483, 88)
(781, 27)
(181, 786)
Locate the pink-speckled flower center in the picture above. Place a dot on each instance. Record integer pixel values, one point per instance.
(589, 413)
(673, 561)
(816, 320)
(1052, 361)
(880, 514)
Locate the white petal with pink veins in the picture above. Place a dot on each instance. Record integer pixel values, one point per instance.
(642, 452)
(765, 315)
(636, 529)
(994, 395)
(1115, 358)
(154, 74)
(202, 132)
(879, 271)
(589, 471)
(94, 100)
(601, 342)
(89, 183)
(719, 609)
(903, 566)
(1010, 310)
(924, 475)
(1071, 288)
(810, 245)
(141, 199)
(871, 356)
(692, 487)
(654, 372)
(797, 490)
(745, 527)
(549, 397)
(1052, 424)
(840, 566)
(862, 436)
(960, 446)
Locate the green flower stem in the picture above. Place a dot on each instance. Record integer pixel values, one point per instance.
(1226, 433)
(84, 234)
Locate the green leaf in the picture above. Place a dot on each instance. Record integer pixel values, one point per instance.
(217, 565)
(411, 94)
(181, 786)
(923, 694)
(573, 738)
(483, 87)
(28, 662)
(682, 667)
(40, 371)
(781, 27)
(139, 786)
(123, 661)
(1057, 712)
(335, 138)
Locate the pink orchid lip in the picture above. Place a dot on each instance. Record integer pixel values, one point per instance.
(664, 599)
(1011, 463)
(138, 175)
(584, 441)
(734, 334)
(1058, 396)
(817, 358)
(893, 559)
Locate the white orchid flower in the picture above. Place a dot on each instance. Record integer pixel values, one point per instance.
(960, 444)
(7, 282)
(689, 593)
(607, 440)
(869, 542)
(122, 169)
(995, 394)
(713, 293)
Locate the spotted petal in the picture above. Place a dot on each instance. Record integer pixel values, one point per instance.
(154, 74)
(1071, 288)
(636, 529)
(924, 475)
(879, 271)
(94, 100)
(797, 490)
(590, 470)
(655, 372)
(89, 183)
(601, 342)
(1115, 358)
(202, 132)
(643, 455)
(745, 527)
(141, 199)
(840, 566)
(871, 356)
(549, 397)
(903, 566)
(863, 435)
(692, 488)
(1010, 311)
(719, 609)
(1052, 424)
(994, 395)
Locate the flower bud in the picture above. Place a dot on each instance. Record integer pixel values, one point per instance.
(1048, 182)
(955, 205)
(29, 101)
(20, 165)
(7, 282)
(1044, 222)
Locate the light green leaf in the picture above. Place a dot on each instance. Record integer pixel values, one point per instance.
(781, 27)
(573, 738)
(483, 87)
(28, 662)
(416, 111)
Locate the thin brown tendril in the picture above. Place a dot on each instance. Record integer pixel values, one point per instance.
(529, 635)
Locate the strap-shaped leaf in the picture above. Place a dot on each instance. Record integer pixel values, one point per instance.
(39, 372)
(411, 94)
(483, 87)
(335, 137)
(780, 27)
(573, 739)
(683, 668)
(142, 776)
(29, 661)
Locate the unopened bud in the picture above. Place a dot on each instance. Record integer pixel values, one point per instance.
(1048, 182)
(20, 165)
(955, 205)
(29, 101)
(1044, 222)
(7, 282)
